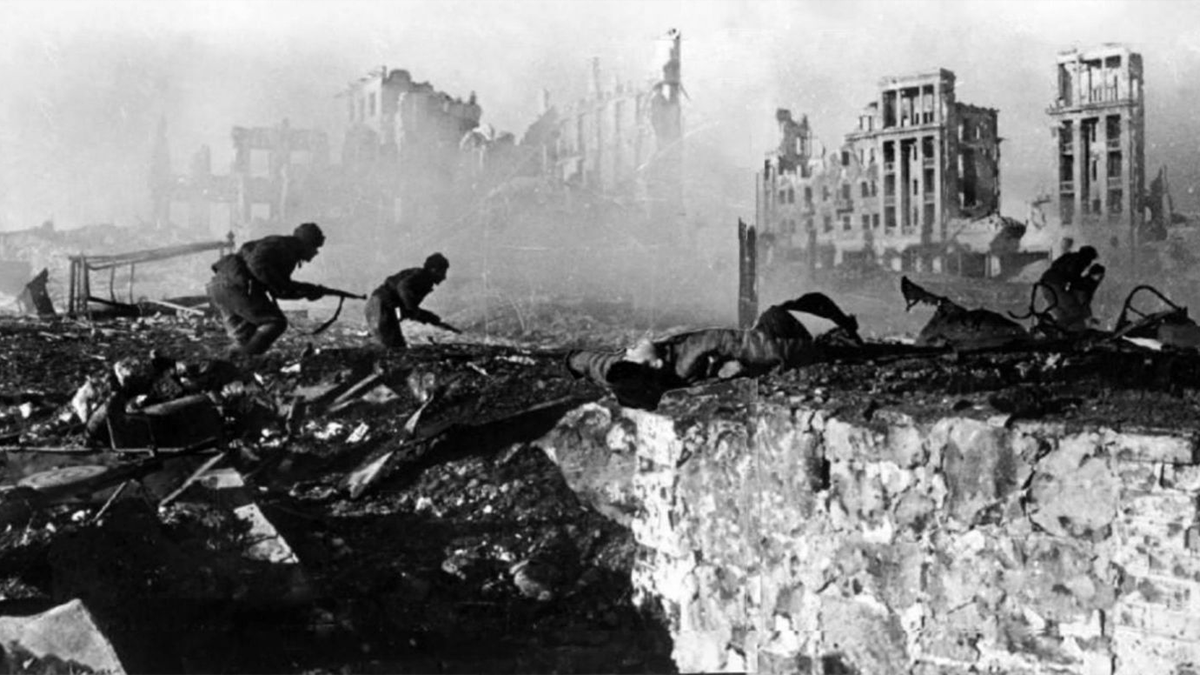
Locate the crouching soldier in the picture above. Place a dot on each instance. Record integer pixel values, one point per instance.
(247, 285)
(639, 376)
(1068, 287)
(403, 293)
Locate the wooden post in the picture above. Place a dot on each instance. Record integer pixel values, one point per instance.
(747, 275)
(71, 290)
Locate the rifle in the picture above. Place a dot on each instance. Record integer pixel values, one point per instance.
(325, 290)
(341, 296)
(431, 319)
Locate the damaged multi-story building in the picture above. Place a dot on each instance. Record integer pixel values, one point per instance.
(277, 174)
(401, 159)
(620, 146)
(916, 187)
(1098, 124)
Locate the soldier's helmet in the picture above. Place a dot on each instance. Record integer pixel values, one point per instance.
(437, 262)
(310, 234)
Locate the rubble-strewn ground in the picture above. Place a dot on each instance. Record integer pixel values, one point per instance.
(471, 554)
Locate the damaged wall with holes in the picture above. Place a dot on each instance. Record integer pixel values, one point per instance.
(783, 539)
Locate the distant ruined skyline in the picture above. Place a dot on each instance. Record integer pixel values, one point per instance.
(87, 82)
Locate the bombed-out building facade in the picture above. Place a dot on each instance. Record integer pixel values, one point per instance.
(418, 165)
(1097, 122)
(916, 187)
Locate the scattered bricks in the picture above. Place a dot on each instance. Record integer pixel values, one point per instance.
(1167, 449)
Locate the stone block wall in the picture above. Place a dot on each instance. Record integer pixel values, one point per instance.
(782, 539)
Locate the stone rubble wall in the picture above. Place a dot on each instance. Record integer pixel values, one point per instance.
(784, 540)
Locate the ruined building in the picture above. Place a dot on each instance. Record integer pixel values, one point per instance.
(401, 155)
(915, 187)
(277, 175)
(1098, 123)
(623, 144)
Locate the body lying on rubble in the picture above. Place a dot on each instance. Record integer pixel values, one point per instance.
(952, 325)
(247, 284)
(403, 293)
(153, 402)
(640, 375)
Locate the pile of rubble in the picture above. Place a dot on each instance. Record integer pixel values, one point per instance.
(324, 508)
(329, 507)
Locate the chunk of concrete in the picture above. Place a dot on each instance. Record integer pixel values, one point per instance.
(67, 632)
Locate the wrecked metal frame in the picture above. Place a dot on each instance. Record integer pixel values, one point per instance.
(83, 265)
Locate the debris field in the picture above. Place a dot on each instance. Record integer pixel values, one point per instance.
(331, 508)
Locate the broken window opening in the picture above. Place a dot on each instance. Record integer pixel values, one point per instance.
(866, 192)
(1112, 130)
(875, 221)
(866, 222)
(1114, 165)
(808, 196)
(846, 227)
(845, 158)
(845, 192)
(889, 109)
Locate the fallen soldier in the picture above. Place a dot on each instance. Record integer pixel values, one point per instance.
(640, 375)
(954, 326)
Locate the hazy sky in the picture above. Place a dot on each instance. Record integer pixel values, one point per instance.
(84, 83)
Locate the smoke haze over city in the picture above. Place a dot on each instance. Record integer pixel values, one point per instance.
(87, 82)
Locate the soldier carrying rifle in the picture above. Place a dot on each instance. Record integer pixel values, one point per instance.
(403, 292)
(247, 285)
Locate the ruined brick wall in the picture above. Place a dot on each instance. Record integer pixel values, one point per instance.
(784, 539)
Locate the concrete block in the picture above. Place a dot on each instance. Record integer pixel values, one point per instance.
(67, 632)
(1074, 493)
(1135, 447)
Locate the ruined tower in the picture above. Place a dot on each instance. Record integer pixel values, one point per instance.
(1098, 123)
